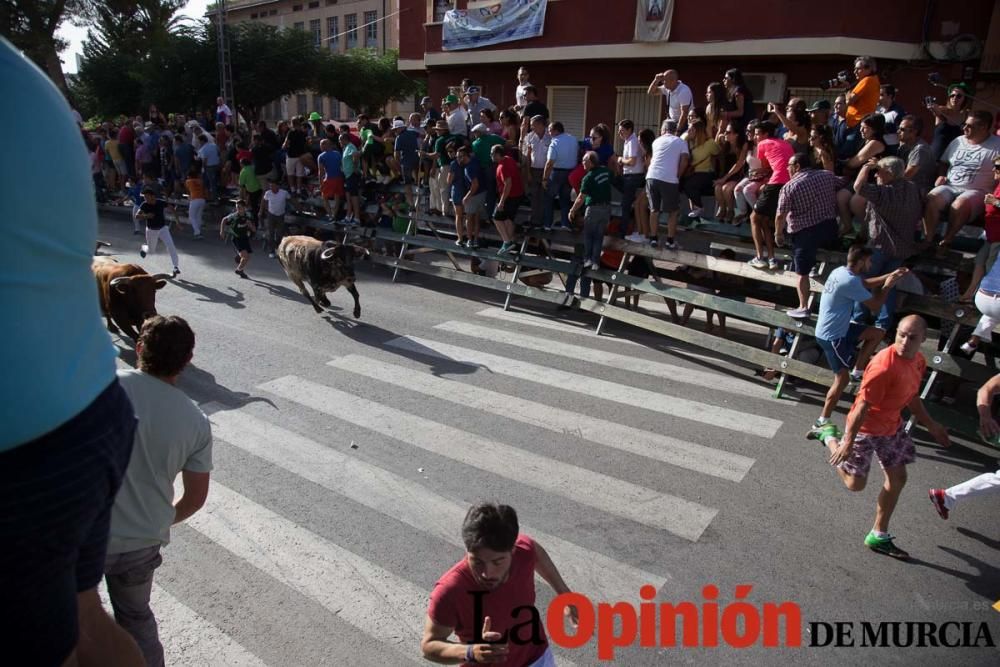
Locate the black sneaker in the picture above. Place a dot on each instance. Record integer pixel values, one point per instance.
(176, 272)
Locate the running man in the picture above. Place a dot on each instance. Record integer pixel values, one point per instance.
(499, 571)
(944, 499)
(152, 211)
(875, 427)
(239, 227)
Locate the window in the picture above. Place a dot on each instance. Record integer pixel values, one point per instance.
(296, 8)
(642, 109)
(371, 29)
(273, 12)
(314, 5)
(439, 8)
(302, 104)
(568, 105)
(808, 95)
(330, 2)
(334, 108)
(253, 15)
(351, 25)
(317, 105)
(298, 25)
(317, 33)
(333, 32)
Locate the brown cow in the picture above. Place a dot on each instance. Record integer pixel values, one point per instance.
(127, 293)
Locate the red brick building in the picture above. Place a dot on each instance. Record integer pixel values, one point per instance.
(589, 69)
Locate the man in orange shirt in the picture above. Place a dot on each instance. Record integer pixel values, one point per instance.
(875, 427)
(863, 97)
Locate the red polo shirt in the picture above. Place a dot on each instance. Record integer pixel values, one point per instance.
(508, 170)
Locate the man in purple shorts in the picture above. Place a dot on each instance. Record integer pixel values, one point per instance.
(875, 427)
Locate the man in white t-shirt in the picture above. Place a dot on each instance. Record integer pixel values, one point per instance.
(969, 178)
(522, 83)
(223, 114)
(669, 160)
(173, 437)
(633, 170)
(272, 212)
(679, 97)
(535, 148)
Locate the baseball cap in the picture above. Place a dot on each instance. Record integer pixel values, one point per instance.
(451, 99)
(480, 127)
(398, 124)
(820, 105)
(426, 100)
(315, 115)
(473, 90)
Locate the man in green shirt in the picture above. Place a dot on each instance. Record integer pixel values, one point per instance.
(595, 194)
(482, 143)
(250, 188)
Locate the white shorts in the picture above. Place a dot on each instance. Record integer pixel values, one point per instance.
(294, 166)
(951, 195)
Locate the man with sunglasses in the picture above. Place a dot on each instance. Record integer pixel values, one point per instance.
(921, 167)
(962, 187)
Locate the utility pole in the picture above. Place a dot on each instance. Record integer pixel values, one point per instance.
(225, 70)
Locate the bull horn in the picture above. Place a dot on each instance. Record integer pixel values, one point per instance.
(118, 284)
(361, 248)
(328, 253)
(162, 276)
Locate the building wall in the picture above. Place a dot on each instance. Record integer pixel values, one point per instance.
(287, 13)
(599, 22)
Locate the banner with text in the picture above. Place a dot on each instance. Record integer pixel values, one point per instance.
(492, 23)
(652, 20)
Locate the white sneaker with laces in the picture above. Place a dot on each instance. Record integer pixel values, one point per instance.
(799, 313)
(968, 348)
(757, 263)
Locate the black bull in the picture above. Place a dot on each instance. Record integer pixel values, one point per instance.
(324, 265)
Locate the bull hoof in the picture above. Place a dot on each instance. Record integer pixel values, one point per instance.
(325, 302)
(357, 313)
(318, 310)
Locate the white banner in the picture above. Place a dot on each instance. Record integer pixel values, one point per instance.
(503, 21)
(652, 20)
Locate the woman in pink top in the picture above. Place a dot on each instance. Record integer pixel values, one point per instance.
(774, 155)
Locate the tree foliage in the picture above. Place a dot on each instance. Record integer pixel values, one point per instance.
(366, 80)
(31, 26)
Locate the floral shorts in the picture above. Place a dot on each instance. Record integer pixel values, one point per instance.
(891, 450)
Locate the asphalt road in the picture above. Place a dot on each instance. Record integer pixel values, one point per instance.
(347, 450)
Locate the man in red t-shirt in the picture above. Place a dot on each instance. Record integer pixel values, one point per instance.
(476, 598)
(510, 192)
(875, 427)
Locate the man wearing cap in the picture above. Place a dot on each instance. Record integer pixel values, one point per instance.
(457, 117)
(560, 160)
(819, 112)
(405, 150)
(430, 113)
(482, 145)
(439, 200)
(474, 102)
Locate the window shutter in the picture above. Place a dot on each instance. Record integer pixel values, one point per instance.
(568, 105)
(638, 106)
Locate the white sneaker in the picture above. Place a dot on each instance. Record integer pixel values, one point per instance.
(636, 238)
(772, 264)
(270, 255)
(757, 263)
(694, 213)
(968, 348)
(587, 263)
(799, 313)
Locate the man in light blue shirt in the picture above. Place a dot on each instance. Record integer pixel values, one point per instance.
(836, 334)
(561, 159)
(67, 425)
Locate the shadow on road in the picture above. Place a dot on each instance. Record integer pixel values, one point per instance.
(202, 387)
(212, 295)
(376, 337)
(982, 583)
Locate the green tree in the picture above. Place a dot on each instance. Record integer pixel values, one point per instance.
(31, 26)
(366, 80)
(268, 62)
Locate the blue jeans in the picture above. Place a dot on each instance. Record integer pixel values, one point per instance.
(211, 177)
(129, 577)
(881, 264)
(558, 188)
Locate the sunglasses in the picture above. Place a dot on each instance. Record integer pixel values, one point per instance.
(996, 167)
(955, 96)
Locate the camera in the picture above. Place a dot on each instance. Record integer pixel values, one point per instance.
(844, 77)
(929, 101)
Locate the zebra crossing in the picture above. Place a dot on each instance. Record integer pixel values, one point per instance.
(382, 602)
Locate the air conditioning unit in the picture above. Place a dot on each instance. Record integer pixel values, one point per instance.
(766, 86)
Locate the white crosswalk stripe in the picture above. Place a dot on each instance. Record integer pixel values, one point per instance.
(659, 510)
(634, 364)
(385, 605)
(611, 391)
(592, 573)
(663, 448)
(187, 638)
(357, 591)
